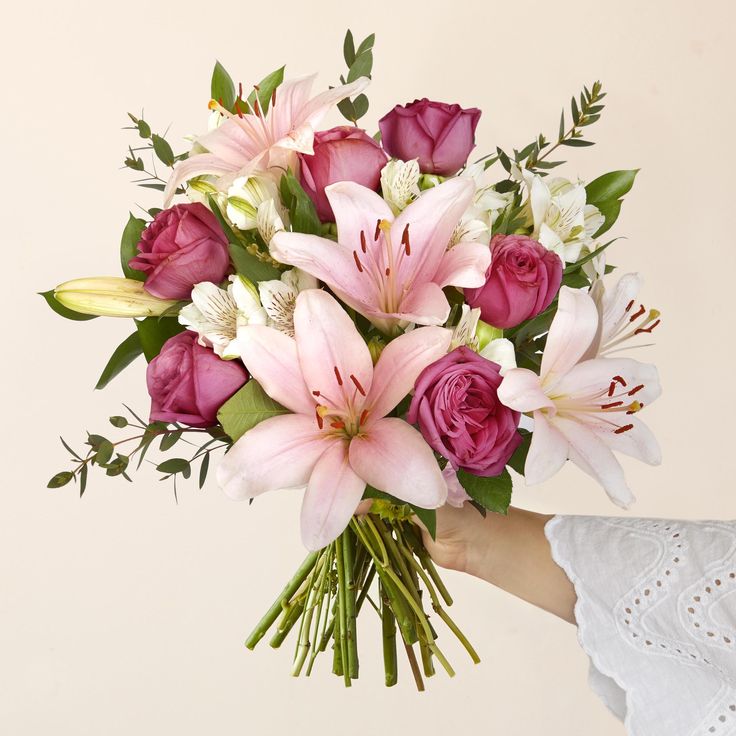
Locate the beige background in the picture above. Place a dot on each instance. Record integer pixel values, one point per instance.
(124, 613)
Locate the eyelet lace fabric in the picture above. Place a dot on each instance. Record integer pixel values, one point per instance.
(656, 614)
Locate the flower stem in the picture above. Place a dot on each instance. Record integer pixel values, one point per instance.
(341, 623)
(388, 628)
(348, 549)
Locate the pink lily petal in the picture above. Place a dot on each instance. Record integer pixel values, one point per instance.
(571, 332)
(202, 163)
(334, 358)
(425, 304)
(400, 364)
(521, 390)
(232, 142)
(316, 109)
(393, 457)
(431, 220)
(357, 209)
(548, 451)
(638, 442)
(464, 265)
(276, 454)
(593, 456)
(271, 358)
(332, 496)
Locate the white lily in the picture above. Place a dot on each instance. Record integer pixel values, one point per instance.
(499, 350)
(245, 197)
(217, 315)
(279, 297)
(560, 217)
(400, 183)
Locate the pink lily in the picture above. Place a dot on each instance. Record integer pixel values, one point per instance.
(584, 409)
(391, 269)
(338, 438)
(250, 140)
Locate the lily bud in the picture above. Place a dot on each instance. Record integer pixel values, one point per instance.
(375, 348)
(111, 296)
(486, 333)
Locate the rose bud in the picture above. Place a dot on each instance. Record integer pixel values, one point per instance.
(344, 153)
(456, 406)
(183, 246)
(439, 135)
(110, 296)
(521, 281)
(188, 383)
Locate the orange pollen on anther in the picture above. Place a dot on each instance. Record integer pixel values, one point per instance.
(337, 425)
(320, 421)
(635, 407)
(636, 389)
(623, 429)
(358, 264)
(612, 405)
(638, 313)
(338, 376)
(363, 245)
(378, 230)
(361, 391)
(647, 329)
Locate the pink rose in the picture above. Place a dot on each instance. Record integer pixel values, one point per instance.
(344, 153)
(188, 383)
(183, 246)
(456, 406)
(441, 136)
(521, 282)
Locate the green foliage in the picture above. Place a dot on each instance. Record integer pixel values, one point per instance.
(360, 64)
(607, 192)
(222, 87)
(129, 246)
(266, 90)
(247, 408)
(493, 494)
(153, 332)
(302, 213)
(400, 509)
(250, 266)
(518, 459)
(63, 311)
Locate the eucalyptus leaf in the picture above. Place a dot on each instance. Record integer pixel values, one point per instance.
(247, 408)
(60, 479)
(175, 465)
(361, 67)
(348, 48)
(162, 149)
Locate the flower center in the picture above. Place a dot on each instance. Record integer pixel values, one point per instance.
(346, 416)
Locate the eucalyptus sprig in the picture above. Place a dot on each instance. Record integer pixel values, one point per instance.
(105, 453)
(360, 64)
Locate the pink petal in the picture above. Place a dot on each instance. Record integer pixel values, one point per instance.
(521, 390)
(278, 453)
(202, 163)
(592, 455)
(547, 453)
(231, 143)
(638, 442)
(425, 304)
(571, 332)
(332, 496)
(334, 358)
(271, 358)
(316, 109)
(400, 364)
(464, 265)
(431, 219)
(357, 209)
(393, 457)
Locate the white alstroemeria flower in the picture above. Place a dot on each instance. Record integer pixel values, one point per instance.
(268, 220)
(560, 218)
(246, 195)
(499, 350)
(217, 315)
(279, 297)
(400, 183)
(201, 188)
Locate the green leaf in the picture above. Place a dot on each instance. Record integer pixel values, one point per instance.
(518, 459)
(428, 517)
(224, 224)
(589, 257)
(203, 468)
(222, 87)
(154, 332)
(347, 109)
(613, 185)
(119, 422)
(247, 408)
(104, 452)
(169, 439)
(175, 465)
(576, 143)
(69, 449)
(83, 479)
(610, 210)
(361, 67)
(576, 280)
(162, 149)
(60, 479)
(60, 309)
(493, 493)
(251, 267)
(301, 208)
(129, 246)
(366, 45)
(348, 48)
(125, 353)
(360, 106)
(266, 87)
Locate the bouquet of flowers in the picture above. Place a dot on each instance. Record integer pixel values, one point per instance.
(374, 321)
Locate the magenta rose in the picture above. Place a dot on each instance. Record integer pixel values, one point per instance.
(456, 406)
(521, 281)
(344, 153)
(441, 136)
(183, 246)
(188, 383)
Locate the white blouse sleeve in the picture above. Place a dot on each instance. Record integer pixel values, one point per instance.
(656, 614)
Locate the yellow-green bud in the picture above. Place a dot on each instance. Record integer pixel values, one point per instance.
(375, 348)
(485, 333)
